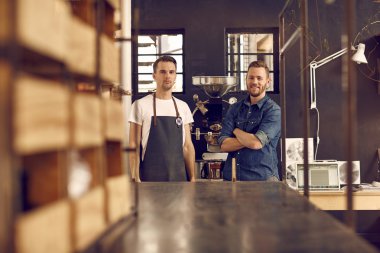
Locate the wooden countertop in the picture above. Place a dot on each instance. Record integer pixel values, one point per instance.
(233, 217)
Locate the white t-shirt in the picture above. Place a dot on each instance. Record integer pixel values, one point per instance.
(142, 112)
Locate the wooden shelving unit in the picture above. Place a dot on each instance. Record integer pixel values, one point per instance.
(55, 57)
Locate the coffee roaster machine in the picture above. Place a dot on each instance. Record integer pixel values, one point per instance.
(208, 116)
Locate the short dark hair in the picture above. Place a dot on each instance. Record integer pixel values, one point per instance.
(259, 64)
(164, 58)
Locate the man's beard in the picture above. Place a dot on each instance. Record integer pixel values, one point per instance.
(258, 93)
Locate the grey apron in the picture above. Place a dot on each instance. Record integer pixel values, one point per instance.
(163, 160)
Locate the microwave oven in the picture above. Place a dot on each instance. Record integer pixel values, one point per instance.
(323, 175)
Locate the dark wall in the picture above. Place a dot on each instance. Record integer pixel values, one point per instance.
(326, 24)
(205, 21)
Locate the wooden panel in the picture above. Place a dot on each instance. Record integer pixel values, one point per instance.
(114, 159)
(119, 197)
(45, 230)
(114, 120)
(87, 121)
(5, 24)
(41, 118)
(80, 54)
(114, 3)
(84, 9)
(42, 25)
(109, 26)
(89, 218)
(337, 200)
(109, 60)
(94, 158)
(45, 178)
(6, 170)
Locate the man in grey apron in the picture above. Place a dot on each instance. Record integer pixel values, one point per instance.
(160, 124)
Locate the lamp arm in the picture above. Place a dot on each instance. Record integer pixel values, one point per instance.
(329, 58)
(313, 66)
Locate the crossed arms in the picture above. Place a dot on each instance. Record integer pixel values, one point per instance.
(241, 140)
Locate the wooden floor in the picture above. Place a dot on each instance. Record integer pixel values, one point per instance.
(232, 217)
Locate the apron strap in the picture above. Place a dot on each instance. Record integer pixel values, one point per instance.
(154, 109)
(176, 108)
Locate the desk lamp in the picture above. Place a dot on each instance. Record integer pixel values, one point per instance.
(358, 57)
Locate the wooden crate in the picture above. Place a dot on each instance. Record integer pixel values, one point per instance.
(114, 3)
(87, 127)
(45, 178)
(44, 230)
(41, 115)
(115, 128)
(119, 197)
(109, 60)
(89, 218)
(85, 10)
(81, 46)
(114, 135)
(42, 26)
(94, 158)
(5, 25)
(114, 159)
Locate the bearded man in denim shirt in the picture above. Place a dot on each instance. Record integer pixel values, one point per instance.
(251, 129)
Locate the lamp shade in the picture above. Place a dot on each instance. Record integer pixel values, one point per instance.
(359, 56)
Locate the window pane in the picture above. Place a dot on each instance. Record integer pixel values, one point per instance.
(160, 44)
(171, 44)
(150, 47)
(145, 63)
(247, 46)
(147, 45)
(271, 87)
(241, 43)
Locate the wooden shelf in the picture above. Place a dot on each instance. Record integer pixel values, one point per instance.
(109, 60)
(114, 135)
(118, 201)
(114, 3)
(108, 26)
(81, 44)
(114, 120)
(45, 178)
(94, 158)
(84, 10)
(89, 218)
(44, 230)
(87, 128)
(41, 115)
(5, 22)
(42, 26)
(55, 56)
(114, 161)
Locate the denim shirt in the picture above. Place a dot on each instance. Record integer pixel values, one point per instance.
(264, 121)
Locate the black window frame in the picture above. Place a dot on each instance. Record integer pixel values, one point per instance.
(135, 56)
(275, 54)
